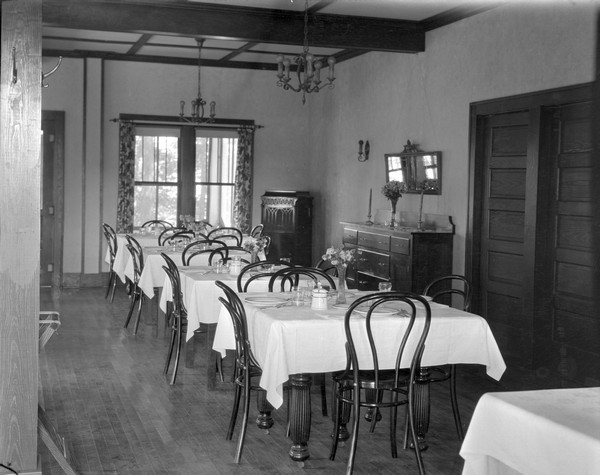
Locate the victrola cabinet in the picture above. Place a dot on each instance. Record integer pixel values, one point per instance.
(287, 219)
(407, 257)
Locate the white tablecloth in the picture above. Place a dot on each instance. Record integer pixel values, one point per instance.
(201, 294)
(122, 256)
(292, 340)
(548, 432)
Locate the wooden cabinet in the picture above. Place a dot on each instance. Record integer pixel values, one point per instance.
(408, 258)
(287, 219)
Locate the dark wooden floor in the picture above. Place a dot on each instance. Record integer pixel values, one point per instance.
(104, 390)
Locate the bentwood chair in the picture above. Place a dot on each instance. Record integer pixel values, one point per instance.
(180, 237)
(167, 233)
(202, 246)
(290, 277)
(454, 290)
(225, 233)
(257, 271)
(379, 388)
(157, 223)
(247, 368)
(136, 295)
(257, 230)
(327, 267)
(178, 321)
(176, 318)
(111, 239)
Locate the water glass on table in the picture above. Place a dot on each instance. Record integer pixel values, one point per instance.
(385, 286)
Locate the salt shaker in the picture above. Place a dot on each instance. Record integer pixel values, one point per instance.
(319, 298)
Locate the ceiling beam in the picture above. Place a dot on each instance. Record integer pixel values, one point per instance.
(237, 23)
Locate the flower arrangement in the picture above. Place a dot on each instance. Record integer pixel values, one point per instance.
(429, 184)
(254, 244)
(188, 222)
(393, 190)
(338, 256)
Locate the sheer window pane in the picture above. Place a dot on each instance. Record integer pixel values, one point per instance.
(215, 204)
(155, 202)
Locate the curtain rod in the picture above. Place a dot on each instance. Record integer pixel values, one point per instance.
(175, 120)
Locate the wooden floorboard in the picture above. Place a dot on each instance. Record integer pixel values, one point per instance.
(104, 390)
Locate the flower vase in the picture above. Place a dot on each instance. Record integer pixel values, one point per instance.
(341, 289)
(393, 217)
(253, 257)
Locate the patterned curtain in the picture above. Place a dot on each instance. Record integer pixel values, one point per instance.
(242, 208)
(126, 177)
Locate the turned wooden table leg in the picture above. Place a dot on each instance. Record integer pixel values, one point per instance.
(300, 416)
(264, 420)
(422, 407)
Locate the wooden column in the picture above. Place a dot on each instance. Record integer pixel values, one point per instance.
(20, 145)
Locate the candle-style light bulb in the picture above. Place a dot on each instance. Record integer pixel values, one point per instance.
(331, 63)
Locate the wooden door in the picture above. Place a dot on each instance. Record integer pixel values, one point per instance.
(504, 272)
(529, 247)
(566, 328)
(51, 212)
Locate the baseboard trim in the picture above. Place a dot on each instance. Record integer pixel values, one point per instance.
(78, 280)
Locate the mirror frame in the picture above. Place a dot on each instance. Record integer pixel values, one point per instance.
(411, 160)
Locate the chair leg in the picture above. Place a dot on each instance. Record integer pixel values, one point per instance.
(234, 410)
(337, 409)
(219, 367)
(170, 351)
(453, 399)
(110, 279)
(323, 394)
(114, 287)
(242, 436)
(140, 298)
(354, 442)
(130, 313)
(177, 352)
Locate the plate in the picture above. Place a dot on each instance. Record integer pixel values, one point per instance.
(379, 311)
(341, 306)
(266, 301)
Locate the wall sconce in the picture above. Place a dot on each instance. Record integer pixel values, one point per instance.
(363, 156)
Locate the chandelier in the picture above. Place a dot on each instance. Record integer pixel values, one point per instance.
(197, 115)
(308, 68)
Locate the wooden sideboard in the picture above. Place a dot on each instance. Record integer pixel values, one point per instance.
(405, 256)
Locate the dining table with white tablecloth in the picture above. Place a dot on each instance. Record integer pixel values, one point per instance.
(543, 432)
(290, 342)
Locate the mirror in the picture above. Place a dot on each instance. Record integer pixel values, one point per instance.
(419, 171)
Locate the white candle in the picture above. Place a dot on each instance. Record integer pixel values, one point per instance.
(370, 199)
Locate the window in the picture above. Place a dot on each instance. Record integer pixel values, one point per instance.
(182, 170)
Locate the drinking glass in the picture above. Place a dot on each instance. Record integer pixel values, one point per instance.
(385, 286)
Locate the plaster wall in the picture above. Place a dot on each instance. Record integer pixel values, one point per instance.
(391, 98)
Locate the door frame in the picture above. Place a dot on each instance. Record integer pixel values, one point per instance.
(58, 193)
(532, 102)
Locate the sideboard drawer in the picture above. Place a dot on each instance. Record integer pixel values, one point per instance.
(379, 242)
(373, 263)
(350, 236)
(400, 245)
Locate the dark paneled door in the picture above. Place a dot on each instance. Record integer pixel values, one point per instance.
(531, 254)
(504, 267)
(566, 329)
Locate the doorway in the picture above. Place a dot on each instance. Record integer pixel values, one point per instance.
(52, 195)
(529, 249)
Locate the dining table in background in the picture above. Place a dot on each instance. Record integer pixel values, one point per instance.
(544, 432)
(122, 256)
(291, 343)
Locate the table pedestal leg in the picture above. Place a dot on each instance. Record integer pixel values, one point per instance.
(422, 407)
(300, 416)
(264, 420)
